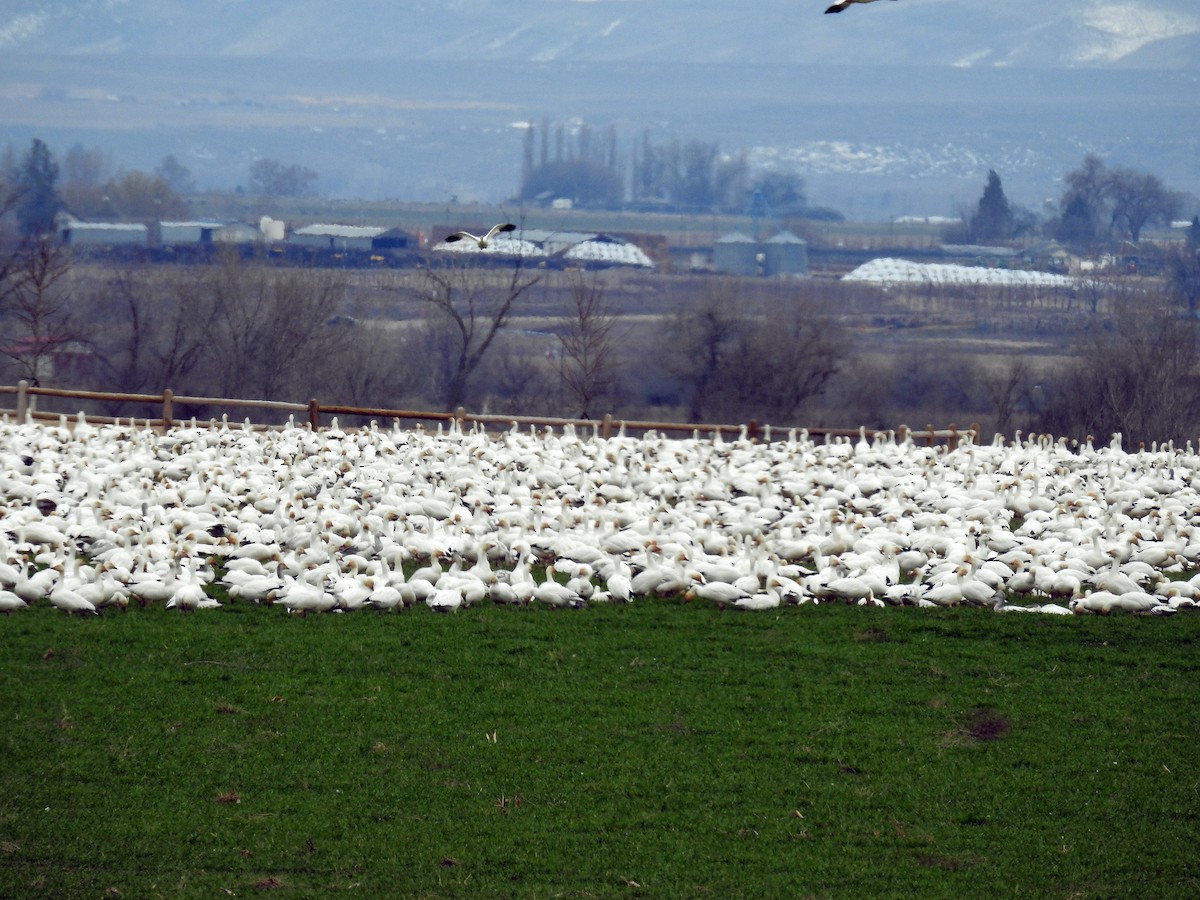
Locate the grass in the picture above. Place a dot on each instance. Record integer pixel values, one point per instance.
(657, 748)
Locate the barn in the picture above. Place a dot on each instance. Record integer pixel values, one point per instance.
(173, 233)
(337, 237)
(105, 234)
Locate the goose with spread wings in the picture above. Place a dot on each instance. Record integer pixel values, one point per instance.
(481, 241)
(842, 4)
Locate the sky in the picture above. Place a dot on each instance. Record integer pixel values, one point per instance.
(888, 109)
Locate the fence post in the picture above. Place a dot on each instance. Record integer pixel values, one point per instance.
(460, 416)
(952, 441)
(22, 401)
(168, 413)
(606, 428)
(902, 434)
(752, 431)
(314, 414)
(929, 436)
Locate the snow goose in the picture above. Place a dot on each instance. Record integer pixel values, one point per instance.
(552, 593)
(32, 587)
(758, 602)
(445, 600)
(187, 591)
(10, 602)
(718, 592)
(71, 602)
(300, 595)
(481, 240)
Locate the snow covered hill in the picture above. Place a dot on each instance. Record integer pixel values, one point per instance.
(1035, 33)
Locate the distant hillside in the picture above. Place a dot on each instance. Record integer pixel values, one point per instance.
(1041, 33)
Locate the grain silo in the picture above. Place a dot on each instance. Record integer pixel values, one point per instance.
(737, 254)
(786, 254)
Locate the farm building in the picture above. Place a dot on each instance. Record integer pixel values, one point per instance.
(739, 254)
(237, 233)
(567, 247)
(395, 239)
(104, 234)
(337, 237)
(901, 271)
(608, 251)
(188, 232)
(59, 359)
(786, 255)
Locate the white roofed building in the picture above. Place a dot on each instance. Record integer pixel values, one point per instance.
(336, 237)
(188, 232)
(902, 271)
(105, 234)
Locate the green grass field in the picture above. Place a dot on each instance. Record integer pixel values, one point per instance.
(658, 749)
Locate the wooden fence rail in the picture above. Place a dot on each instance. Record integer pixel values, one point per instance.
(25, 410)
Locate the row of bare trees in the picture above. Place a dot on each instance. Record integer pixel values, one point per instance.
(438, 337)
(521, 341)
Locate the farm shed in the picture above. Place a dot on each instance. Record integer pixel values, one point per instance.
(1049, 255)
(395, 239)
(105, 234)
(237, 233)
(336, 237)
(188, 232)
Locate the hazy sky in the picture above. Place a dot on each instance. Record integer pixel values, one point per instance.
(887, 109)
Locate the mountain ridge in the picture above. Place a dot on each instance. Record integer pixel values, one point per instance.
(1068, 33)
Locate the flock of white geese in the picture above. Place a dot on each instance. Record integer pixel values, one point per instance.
(102, 517)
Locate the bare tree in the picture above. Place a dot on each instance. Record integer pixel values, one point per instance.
(1083, 202)
(274, 179)
(152, 327)
(761, 362)
(1183, 276)
(36, 302)
(1138, 199)
(588, 345)
(474, 303)
(697, 348)
(85, 171)
(1006, 388)
(270, 333)
(1137, 376)
(140, 196)
(377, 366)
(519, 382)
(782, 361)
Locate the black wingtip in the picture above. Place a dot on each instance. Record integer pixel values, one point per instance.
(452, 238)
(509, 226)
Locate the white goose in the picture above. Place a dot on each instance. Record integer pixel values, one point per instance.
(481, 240)
(9, 602)
(71, 602)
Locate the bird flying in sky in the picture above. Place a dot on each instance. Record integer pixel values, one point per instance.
(481, 241)
(842, 4)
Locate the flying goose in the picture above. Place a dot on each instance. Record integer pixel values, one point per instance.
(842, 4)
(481, 241)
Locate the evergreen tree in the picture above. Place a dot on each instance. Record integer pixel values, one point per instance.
(993, 219)
(1077, 225)
(38, 201)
